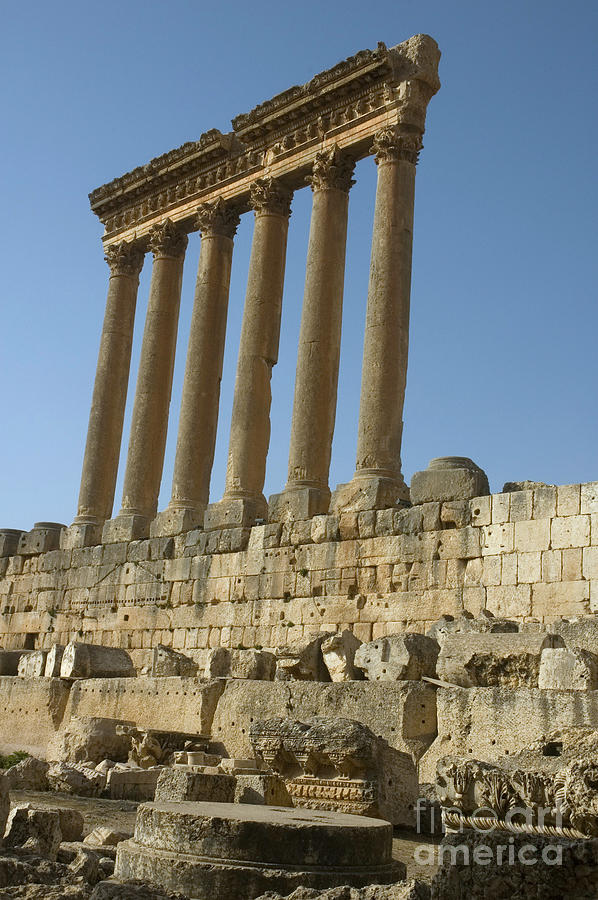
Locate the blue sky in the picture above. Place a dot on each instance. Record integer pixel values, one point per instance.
(504, 315)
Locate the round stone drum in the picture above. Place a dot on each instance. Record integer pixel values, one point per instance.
(216, 851)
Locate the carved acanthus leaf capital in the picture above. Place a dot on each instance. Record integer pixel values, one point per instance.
(332, 169)
(268, 195)
(389, 144)
(167, 239)
(125, 258)
(217, 218)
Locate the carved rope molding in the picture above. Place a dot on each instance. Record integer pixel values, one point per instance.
(344, 106)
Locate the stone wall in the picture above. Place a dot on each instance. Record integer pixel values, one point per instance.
(524, 554)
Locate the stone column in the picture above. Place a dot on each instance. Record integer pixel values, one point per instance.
(104, 434)
(243, 500)
(149, 421)
(378, 482)
(314, 408)
(203, 373)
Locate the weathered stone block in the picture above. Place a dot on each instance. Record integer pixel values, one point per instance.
(94, 661)
(32, 665)
(338, 652)
(167, 662)
(449, 478)
(43, 536)
(9, 541)
(562, 669)
(492, 659)
(571, 531)
(399, 657)
(54, 661)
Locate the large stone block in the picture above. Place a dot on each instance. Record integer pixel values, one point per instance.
(398, 657)
(562, 669)
(32, 665)
(449, 478)
(489, 723)
(179, 784)
(89, 738)
(44, 536)
(338, 653)
(167, 662)
(403, 713)
(169, 704)
(31, 711)
(94, 661)
(493, 659)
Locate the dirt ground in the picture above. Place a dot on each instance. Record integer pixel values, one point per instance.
(120, 816)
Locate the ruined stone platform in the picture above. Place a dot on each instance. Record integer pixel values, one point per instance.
(216, 851)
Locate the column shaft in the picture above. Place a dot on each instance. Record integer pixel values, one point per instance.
(102, 450)
(243, 500)
(149, 421)
(203, 372)
(314, 408)
(378, 481)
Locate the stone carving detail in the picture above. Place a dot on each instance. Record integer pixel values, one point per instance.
(332, 169)
(327, 763)
(535, 799)
(167, 239)
(390, 145)
(125, 259)
(217, 218)
(268, 195)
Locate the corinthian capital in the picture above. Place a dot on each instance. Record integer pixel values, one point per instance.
(332, 169)
(390, 145)
(167, 239)
(125, 259)
(217, 218)
(268, 195)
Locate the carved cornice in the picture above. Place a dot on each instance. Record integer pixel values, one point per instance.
(390, 145)
(268, 195)
(279, 138)
(167, 239)
(125, 259)
(332, 170)
(217, 218)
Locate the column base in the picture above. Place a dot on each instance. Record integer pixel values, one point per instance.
(297, 503)
(369, 492)
(235, 512)
(173, 521)
(125, 527)
(81, 534)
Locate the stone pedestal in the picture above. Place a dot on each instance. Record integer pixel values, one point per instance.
(212, 851)
(100, 463)
(378, 482)
(314, 408)
(44, 536)
(243, 501)
(9, 541)
(449, 478)
(198, 418)
(149, 421)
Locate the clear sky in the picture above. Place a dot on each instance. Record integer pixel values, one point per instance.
(504, 315)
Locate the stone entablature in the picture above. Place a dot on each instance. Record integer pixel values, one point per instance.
(530, 554)
(344, 105)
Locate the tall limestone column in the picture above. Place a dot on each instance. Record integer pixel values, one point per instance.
(149, 423)
(378, 482)
(102, 450)
(198, 419)
(243, 500)
(314, 409)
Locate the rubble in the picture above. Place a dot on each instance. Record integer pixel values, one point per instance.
(398, 657)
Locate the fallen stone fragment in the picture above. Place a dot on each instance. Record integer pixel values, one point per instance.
(94, 661)
(493, 659)
(35, 831)
(32, 665)
(568, 670)
(30, 774)
(54, 661)
(89, 739)
(398, 657)
(76, 779)
(338, 652)
(103, 836)
(167, 662)
(303, 662)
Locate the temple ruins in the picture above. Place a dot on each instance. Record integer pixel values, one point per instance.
(275, 684)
